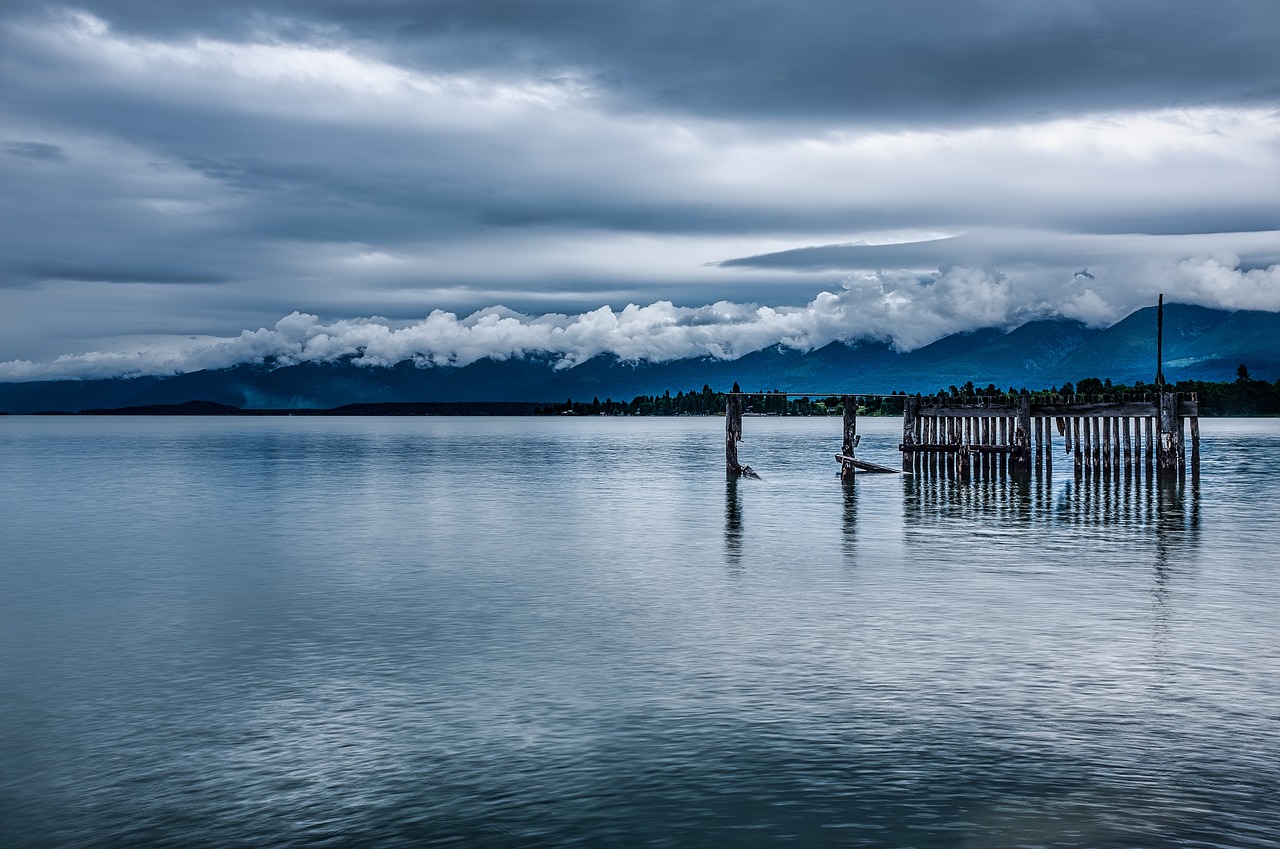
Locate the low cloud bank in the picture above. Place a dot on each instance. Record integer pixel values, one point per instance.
(901, 307)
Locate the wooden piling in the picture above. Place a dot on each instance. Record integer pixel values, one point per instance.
(1150, 433)
(908, 432)
(1195, 445)
(1168, 449)
(1116, 446)
(1020, 455)
(1106, 443)
(1079, 452)
(732, 434)
(850, 440)
(1097, 444)
(1048, 446)
(1039, 428)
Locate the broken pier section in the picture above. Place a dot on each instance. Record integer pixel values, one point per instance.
(1138, 432)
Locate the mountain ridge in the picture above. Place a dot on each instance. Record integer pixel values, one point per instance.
(1199, 344)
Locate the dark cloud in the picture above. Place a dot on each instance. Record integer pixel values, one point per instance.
(205, 168)
(911, 61)
(80, 274)
(38, 151)
(1012, 248)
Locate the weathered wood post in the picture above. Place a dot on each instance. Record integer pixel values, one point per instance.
(1048, 447)
(1020, 452)
(1167, 448)
(1128, 444)
(1097, 444)
(850, 441)
(1151, 451)
(1075, 441)
(1195, 446)
(1106, 443)
(908, 431)
(1086, 428)
(732, 433)
(1039, 436)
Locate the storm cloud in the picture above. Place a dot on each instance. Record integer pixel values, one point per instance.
(716, 178)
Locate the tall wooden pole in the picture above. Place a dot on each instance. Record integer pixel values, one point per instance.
(1160, 344)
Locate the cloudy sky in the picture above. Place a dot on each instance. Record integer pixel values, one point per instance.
(189, 185)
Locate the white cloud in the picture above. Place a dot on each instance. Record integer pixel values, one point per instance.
(895, 306)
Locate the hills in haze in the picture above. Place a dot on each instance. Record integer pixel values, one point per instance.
(1199, 344)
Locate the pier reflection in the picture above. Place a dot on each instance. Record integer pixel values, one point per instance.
(1169, 510)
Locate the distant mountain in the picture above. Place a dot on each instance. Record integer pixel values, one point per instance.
(1200, 343)
(1248, 337)
(1126, 351)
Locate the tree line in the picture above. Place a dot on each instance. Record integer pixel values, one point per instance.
(1242, 397)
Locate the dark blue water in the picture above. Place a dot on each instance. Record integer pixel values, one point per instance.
(552, 632)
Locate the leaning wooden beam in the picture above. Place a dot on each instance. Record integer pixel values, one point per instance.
(846, 460)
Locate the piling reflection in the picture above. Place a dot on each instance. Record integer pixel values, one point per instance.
(1168, 509)
(732, 523)
(849, 518)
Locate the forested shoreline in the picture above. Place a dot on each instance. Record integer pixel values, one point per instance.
(1242, 397)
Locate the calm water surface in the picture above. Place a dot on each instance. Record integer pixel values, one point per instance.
(555, 632)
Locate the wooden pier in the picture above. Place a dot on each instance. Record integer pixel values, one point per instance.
(984, 435)
(968, 435)
(1099, 433)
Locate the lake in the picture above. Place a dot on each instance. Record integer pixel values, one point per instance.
(527, 632)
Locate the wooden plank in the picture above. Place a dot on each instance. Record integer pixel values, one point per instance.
(1052, 409)
(953, 447)
(866, 466)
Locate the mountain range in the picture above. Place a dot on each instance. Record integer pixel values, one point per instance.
(1199, 344)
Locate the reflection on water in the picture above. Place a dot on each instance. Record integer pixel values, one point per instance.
(1164, 507)
(849, 516)
(732, 522)
(385, 633)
